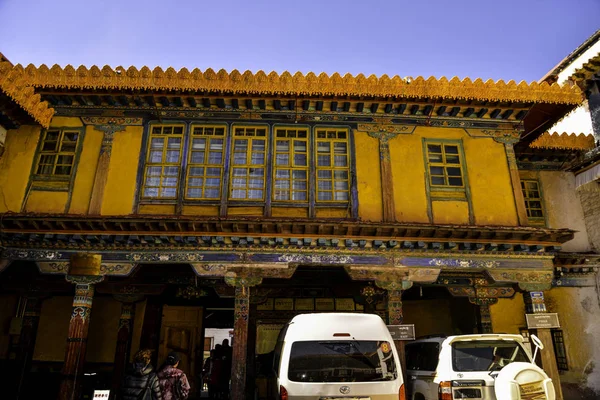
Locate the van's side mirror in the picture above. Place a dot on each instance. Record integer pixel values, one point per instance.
(538, 346)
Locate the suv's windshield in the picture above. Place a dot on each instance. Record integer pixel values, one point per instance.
(341, 361)
(488, 355)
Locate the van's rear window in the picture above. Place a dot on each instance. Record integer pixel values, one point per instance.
(488, 355)
(342, 361)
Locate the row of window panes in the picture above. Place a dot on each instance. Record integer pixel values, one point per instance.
(444, 165)
(248, 170)
(533, 199)
(57, 153)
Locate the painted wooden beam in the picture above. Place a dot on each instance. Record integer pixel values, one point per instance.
(441, 110)
(506, 114)
(495, 113)
(468, 112)
(454, 112)
(482, 112)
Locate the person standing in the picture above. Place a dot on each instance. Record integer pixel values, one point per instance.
(173, 381)
(141, 383)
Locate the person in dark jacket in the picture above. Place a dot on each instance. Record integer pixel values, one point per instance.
(141, 383)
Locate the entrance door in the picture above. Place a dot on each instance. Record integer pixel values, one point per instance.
(181, 332)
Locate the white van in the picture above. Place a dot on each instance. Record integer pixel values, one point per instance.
(337, 356)
(480, 367)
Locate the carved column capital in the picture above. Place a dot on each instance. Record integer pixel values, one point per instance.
(394, 284)
(84, 279)
(85, 264)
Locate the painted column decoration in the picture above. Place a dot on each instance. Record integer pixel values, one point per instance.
(485, 318)
(535, 304)
(240, 332)
(84, 273)
(109, 126)
(384, 131)
(124, 336)
(394, 299)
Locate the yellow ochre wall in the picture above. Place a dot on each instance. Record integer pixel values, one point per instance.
(487, 173)
(508, 315)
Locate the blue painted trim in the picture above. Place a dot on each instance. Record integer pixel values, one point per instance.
(137, 197)
(187, 135)
(353, 174)
(269, 174)
(226, 168)
(312, 174)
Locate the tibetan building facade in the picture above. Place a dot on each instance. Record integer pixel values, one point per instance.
(151, 204)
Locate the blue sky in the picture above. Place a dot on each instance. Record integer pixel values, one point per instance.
(511, 39)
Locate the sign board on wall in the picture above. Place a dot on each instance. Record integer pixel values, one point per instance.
(536, 321)
(101, 394)
(402, 332)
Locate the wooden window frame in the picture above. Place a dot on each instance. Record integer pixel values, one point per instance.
(560, 351)
(292, 165)
(58, 152)
(332, 167)
(206, 164)
(248, 164)
(445, 165)
(541, 220)
(148, 163)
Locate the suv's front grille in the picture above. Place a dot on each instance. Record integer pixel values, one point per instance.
(467, 393)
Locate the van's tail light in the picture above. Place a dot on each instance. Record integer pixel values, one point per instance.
(445, 390)
(402, 393)
(283, 393)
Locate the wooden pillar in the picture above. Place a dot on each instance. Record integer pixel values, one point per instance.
(485, 318)
(124, 336)
(29, 327)
(240, 333)
(101, 177)
(515, 180)
(84, 273)
(385, 166)
(534, 304)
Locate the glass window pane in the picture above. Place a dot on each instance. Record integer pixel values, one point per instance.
(300, 146)
(238, 194)
(173, 156)
(62, 170)
(340, 174)
(240, 145)
(300, 160)
(436, 180)
(50, 146)
(157, 143)
(340, 161)
(300, 174)
(211, 193)
(455, 181)
(213, 172)
(325, 196)
(213, 182)
(434, 148)
(172, 171)
(341, 185)
(199, 144)
(256, 172)
(282, 173)
(282, 159)
(435, 158)
(451, 149)
(258, 145)
(258, 158)
(152, 181)
(339, 148)
(282, 184)
(283, 146)
(215, 158)
(282, 195)
(453, 171)
(299, 185)
(240, 172)
(174, 143)
(198, 157)
(169, 181)
(299, 196)
(168, 192)
(68, 146)
(436, 170)
(452, 160)
(323, 147)
(154, 171)
(239, 182)
(341, 196)
(195, 181)
(256, 183)
(255, 194)
(325, 185)
(239, 158)
(151, 192)
(196, 171)
(216, 144)
(194, 193)
(156, 156)
(324, 174)
(323, 161)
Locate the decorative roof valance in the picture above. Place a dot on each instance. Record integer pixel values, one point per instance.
(107, 78)
(14, 85)
(563, 141)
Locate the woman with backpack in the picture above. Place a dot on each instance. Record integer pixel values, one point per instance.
(141, 383)
(173, 382)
